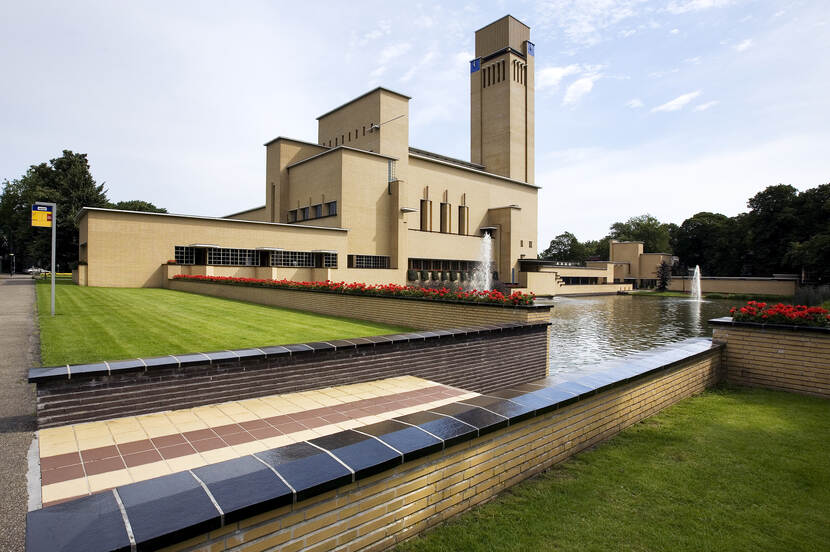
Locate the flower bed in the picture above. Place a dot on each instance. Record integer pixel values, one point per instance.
(378, 290)
(794, 315)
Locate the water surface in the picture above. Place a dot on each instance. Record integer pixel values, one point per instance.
(588, 330)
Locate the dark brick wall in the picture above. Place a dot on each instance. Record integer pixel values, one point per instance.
(477, 362)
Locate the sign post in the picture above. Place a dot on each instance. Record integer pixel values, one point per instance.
(44, 214)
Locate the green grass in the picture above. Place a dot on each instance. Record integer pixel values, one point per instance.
(93, 324)
(732, 469)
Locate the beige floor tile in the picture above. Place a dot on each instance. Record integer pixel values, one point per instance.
(53, 449)
(279, 441)
(108, 480)
(124, 425)
(219, 455)
(191, 426)
(64, 489)
(249, 448)
(95, 442)
(185, 462)
(149, 471)
(261, 409)
(326, 430)
(160, 430)
(303, 435)
(56, 435)
(130, 437)
(348, 424)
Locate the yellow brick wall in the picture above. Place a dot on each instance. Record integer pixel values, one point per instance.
(378, 512)
(796, 361)
(399, 312)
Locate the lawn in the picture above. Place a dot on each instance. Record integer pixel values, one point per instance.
(732, 469)
(93, 324)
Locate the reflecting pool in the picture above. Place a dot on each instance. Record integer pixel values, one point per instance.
(586, 330)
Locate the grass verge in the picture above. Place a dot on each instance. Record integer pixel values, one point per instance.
(731, 469)
(93, 324)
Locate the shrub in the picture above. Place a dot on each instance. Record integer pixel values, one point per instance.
(435, 292)
(411, 275)
(424, 275)
(793, 315)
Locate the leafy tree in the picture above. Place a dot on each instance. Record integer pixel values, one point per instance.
(565, 247)
(663, 276)
(647, 229)
(137, 205)
(66, 181)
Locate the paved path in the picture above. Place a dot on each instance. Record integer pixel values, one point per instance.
(19, 349)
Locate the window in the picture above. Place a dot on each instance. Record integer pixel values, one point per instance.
(329, 260)
(292, 216)
(232, 257)
(368, 261)
(442, 264)
(521, 243)
(305, 212)
(446, 217)
(530, 243)
(426, 215)
(292, 258)
(463, 220)
(317, 210)
(185, 255)
(335, 142)
(331, 208)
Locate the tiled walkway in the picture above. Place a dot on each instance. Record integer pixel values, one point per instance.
(87, 458)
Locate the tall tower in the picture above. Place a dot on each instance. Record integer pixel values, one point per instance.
(501, 100)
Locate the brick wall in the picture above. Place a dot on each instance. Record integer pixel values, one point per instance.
(378, 512)
(791, 360)
(399, 312)
(475, 360)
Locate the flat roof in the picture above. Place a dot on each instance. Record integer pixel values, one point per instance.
(463, 168)
(447, 158)
(246, 211)
(293, 140)
(322, 153)
(499, 19)
(372, 91)
(85, 210)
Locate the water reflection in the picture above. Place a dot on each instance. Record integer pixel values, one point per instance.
(587, 330)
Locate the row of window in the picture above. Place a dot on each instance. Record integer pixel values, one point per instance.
(313, 212)
(343, 138)
(442, 265)
(227, 256)
(368, 261)
(497, 72)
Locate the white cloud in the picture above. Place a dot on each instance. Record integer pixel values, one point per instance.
(628, 32)
(678, 7)
(674, 31)
(693, 60)
(550, 77)
(635, 103)
(677, 103)
(745, 45)
(393, 51)
(578, 89)
(707, 105)
(583, 22)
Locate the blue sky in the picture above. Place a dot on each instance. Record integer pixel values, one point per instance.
(667, 108)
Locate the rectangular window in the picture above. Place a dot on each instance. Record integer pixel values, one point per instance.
(292, 259)
(368, 261)
(426, 215)
(292, 216)
(446, 218)
(331, 208)
(185, 255)
(306, 212)
(318, 210)
(530, 243)
(463, 220)
(226, 256)
(330, 260)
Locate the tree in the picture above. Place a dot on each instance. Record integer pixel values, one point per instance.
(645, 228)
(66, 181)
(565, 247)
(137, 205)
(663, 276)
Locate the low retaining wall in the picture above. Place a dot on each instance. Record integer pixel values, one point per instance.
(362, 494)
(739, 285)
(478, 359)
(790, 358)
(411, 313)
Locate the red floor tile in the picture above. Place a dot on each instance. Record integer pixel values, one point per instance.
(60, 461)
(100, 453)
(199, 435)
(64, 473)
(103, 466)
(135, 446)
(140, 458)
(238, 438)
(209, 444)
(169, 440)
(177, 450)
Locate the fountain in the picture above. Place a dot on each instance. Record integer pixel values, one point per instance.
(483, 274)
(696, 295)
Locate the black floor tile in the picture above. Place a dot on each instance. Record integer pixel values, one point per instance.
(362, 453)
(92, 523)
(449, 430)
(309, 470)
(513, 411)
(477, 417)
(411, 441)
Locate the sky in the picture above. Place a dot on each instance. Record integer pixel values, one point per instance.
(668, 108)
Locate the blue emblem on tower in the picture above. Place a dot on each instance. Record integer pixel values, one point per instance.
(475, 65)
(530, 48)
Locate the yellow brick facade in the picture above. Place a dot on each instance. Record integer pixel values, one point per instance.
(797, 361)
(381, 511)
